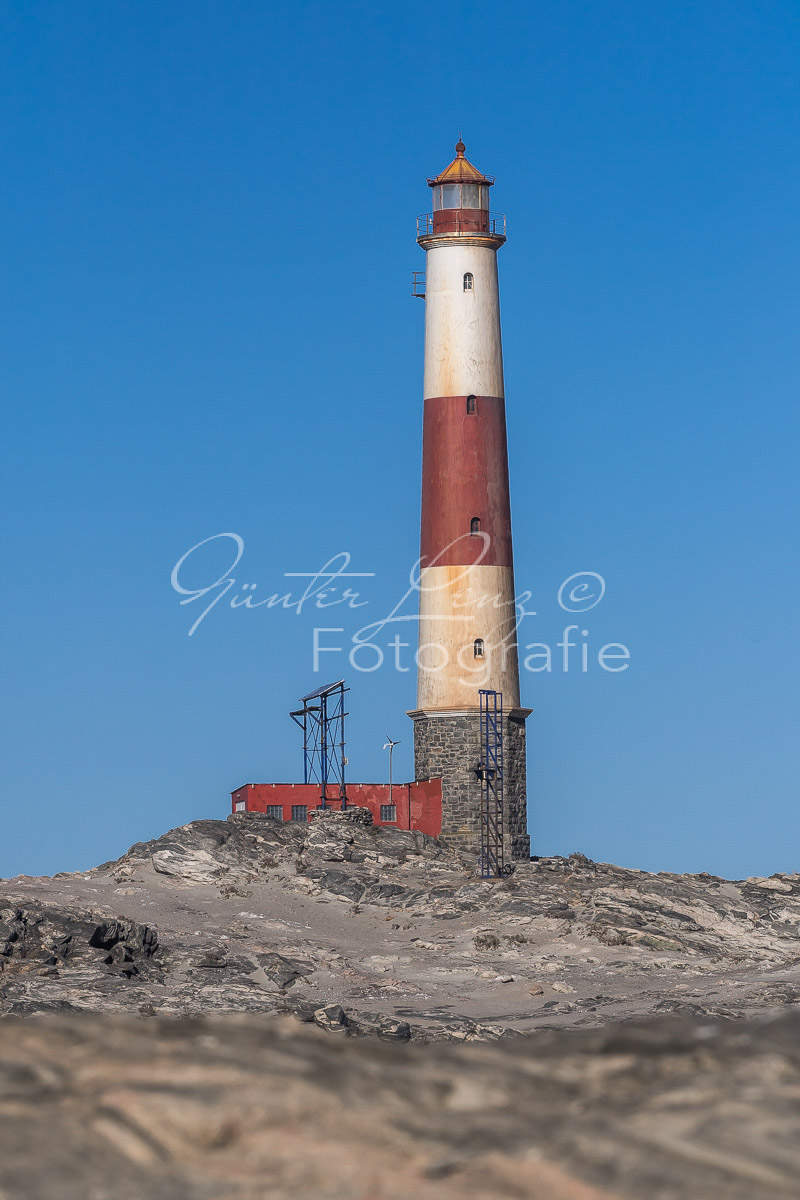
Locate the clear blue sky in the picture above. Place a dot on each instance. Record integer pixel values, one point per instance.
(208, 236)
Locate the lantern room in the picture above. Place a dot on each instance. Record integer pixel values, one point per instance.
(460, 199)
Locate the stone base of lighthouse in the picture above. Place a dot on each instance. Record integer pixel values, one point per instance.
(448, 745)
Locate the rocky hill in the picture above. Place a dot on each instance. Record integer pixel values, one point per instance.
(384, 931)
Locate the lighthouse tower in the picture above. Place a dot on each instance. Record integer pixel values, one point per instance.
(467, 620)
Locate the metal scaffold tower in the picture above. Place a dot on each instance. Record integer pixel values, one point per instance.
(322, 724)
(490, 773)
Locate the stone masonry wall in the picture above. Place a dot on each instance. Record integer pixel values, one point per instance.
(516, 791)
(450, 746)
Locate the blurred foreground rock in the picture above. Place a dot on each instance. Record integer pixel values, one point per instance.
(238, 1108)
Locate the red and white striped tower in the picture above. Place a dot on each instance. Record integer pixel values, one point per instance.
(467, 626)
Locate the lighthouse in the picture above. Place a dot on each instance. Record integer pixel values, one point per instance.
(467, 614)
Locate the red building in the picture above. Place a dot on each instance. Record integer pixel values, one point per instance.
(410, 806)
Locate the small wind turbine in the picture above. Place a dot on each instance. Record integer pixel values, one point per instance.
(390, 745)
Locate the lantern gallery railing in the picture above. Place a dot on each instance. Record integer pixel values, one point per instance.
(461, 221)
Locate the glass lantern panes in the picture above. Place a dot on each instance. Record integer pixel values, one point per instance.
(451, 195)
(460, 195)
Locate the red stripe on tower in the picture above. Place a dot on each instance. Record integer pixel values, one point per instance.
(464, 480)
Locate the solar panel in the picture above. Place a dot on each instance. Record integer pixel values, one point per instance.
(322, 691)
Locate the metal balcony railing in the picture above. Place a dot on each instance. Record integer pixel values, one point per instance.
(495, 226)
(418, 284)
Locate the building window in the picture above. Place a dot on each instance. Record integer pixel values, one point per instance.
(475, 525)
(389, 813)
(477, 647)
(299, 812)
(239, 806)
(469, 282)
(472, 404)
(275, 811)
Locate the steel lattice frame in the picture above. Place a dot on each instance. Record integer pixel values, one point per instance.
(322, 724)
(490, 771)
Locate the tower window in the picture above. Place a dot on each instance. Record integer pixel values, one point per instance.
(469, 282)
(472, 404)
(477, 647)
(475, 525)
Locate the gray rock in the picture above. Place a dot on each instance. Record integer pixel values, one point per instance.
(284, 971)
(332, 1018)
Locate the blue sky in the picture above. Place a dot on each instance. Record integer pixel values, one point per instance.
(208, 236)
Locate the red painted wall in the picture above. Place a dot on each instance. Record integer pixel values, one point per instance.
(461, 220)
(465, 475)
(419, 805)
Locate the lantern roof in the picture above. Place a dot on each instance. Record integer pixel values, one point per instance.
(461, 170)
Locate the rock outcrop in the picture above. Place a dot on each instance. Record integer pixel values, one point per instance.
(381, 931)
